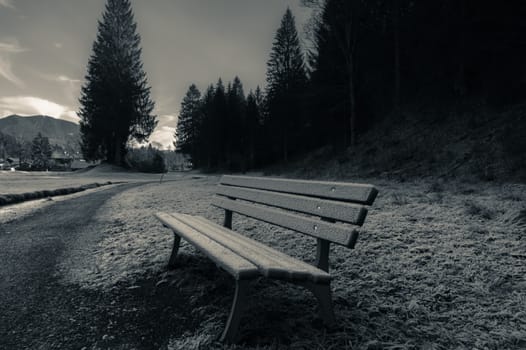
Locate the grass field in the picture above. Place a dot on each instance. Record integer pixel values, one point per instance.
(437, 266)
(15, 182)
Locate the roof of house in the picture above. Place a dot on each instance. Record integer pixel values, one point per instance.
(59, 155)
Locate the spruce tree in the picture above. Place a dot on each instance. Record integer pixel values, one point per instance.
(236, 138)
(253, 126)
(219, 126)
(286, 81)
(40, 152)
(333, 75)
(189, 123)
(115, 99)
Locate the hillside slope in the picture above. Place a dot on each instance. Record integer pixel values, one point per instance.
(59, 132)
(483, 146)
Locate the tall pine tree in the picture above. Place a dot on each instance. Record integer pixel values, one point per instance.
(236, 138)
(253, 129)
(218, 124)
(334, 73)
(189, 123)
(115, 99)
(286, 81)
(207, 132)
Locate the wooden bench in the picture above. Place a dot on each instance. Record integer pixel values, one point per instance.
(327, 211)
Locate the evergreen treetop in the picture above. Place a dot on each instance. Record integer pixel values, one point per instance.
(286, 81)
(286, 66)
(115, 99)
(189, 122)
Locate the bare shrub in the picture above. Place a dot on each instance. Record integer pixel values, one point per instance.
(436, 187)
(399, 199)
(513, 197)
(476, 209)
(521, 217)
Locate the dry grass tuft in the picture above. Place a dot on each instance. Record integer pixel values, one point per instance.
(399, 199)
(476, 209)
(520, 218)
(436, 187)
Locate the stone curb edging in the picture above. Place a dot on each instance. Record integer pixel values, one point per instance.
(6, 199)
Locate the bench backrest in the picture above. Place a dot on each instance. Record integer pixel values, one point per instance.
(333, 209)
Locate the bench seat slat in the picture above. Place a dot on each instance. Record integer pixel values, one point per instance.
(345, 212)
(271, 262)
(267, 266)
(315, 228)
(239, 267)
(349, 192)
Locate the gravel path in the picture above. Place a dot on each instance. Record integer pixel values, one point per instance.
(39, 311)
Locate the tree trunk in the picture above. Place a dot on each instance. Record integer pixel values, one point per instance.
(344, 127)
(350, 39)
(285, 148)
(460, 81)
(396, 25)
(118, 155)
(252, 153)
(352, 99)
(110, 149)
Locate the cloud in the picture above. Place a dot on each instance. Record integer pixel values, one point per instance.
(29, 105)
(7, 49)
(164, 136)
(58, 45)
(6, 71)
(12, 47)
(65, 79)
(7, 3)
(60, 78)
(166, 120)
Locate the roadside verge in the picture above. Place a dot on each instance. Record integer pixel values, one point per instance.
(6, 199)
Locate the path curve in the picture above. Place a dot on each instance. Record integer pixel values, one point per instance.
(37, 311)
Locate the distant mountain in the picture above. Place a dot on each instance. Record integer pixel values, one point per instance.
(59, 132)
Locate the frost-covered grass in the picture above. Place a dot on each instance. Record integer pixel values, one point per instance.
(16, 182)
(22, 182)
(437, 266)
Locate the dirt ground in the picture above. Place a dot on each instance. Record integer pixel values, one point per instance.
(437, 266)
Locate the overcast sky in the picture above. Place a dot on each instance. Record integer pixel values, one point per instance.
(45, 46)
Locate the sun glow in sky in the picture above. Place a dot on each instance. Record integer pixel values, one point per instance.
(45, 47)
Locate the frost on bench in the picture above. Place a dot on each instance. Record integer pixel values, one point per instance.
(331, 212)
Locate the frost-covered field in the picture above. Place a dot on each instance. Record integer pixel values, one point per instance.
(21, 182)
(15, 182)
(437, 266)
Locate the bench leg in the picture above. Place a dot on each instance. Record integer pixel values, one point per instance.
(322, 292)
(175, 249)
(322, 254)
(232, 325)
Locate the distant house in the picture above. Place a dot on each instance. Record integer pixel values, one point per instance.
(61, 160)
(181, 161)
(12, 162)
(79, 164)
